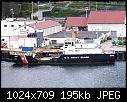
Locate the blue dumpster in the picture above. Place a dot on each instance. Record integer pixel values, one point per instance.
(27, 48)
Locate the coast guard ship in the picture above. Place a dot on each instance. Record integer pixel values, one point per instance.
(74, 51)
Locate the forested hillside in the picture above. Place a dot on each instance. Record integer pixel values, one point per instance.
(60, 9)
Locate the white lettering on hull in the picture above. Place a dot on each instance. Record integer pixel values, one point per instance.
(81, 57)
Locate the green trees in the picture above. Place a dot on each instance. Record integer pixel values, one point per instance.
(76, 8)
(6, 6)
(20, 9)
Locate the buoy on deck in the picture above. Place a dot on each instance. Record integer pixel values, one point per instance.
(23, 58)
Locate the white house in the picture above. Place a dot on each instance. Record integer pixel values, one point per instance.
(108, 21)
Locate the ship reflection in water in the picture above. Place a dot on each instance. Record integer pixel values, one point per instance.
(67, 76)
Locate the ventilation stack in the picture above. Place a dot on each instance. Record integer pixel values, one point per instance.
(74, 35)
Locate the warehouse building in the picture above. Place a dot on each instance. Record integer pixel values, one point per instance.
(108, 21)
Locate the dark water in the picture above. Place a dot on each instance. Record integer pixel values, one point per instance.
(71, 76)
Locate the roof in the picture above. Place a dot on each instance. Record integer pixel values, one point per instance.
(48, 18)
(76, 22)
(107, 17)
(80, 34)
(44, 24)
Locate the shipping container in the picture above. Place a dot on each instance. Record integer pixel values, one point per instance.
(27, 48)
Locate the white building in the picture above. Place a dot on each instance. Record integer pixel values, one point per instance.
(13, 31)
(108, 21)
(60, 37)
(47, 27)
(9, 26)
(77, 23)
(23, 42)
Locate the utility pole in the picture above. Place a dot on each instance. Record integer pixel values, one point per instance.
(96, 6)
(19, 7)
(86, 9)
(12, 13)
(89, 4)
(38, 5)
(32, 11)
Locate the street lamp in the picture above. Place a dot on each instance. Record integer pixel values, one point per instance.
(96, 6)
(38, 5)
(32, 11)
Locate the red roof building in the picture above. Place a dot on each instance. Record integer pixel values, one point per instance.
(79, 22)
(108, 21)
(106, 17)
(46, 27)
(44, 24)
(76, 22)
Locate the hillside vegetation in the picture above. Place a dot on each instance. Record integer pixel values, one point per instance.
(60, 9)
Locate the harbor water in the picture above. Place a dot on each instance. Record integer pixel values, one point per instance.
(69, 76)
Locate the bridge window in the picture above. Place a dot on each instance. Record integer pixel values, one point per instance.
(12, 25)
(72, 43)
(68, 43)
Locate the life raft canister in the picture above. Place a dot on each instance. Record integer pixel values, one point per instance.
(23, 58)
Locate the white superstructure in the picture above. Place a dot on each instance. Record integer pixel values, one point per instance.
(81, 47)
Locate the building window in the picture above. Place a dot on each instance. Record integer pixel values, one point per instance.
(2, 39)
(12, 25)
(5, 25)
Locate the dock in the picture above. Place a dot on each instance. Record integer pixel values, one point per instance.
(120, 50)
(10, 54)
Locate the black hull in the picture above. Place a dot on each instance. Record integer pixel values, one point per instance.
(72, 60)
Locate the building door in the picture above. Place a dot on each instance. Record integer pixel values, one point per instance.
(54, 42)
(38, 42)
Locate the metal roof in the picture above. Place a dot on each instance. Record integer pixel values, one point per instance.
(80, 34)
